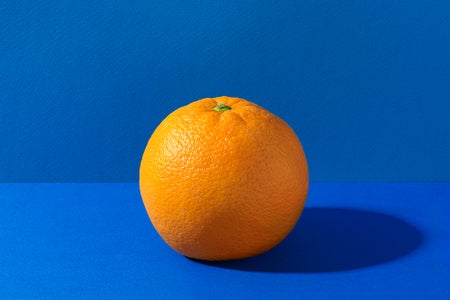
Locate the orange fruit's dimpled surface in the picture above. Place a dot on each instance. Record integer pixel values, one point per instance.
(223, 185)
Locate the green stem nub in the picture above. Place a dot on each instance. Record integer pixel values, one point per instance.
(222, 107)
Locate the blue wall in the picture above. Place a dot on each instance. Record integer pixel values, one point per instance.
(365, 84)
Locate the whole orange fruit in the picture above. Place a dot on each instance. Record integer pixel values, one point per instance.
(222, 178)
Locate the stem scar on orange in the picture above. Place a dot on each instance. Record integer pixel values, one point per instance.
(222, 178)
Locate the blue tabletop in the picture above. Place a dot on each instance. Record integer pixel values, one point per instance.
(353, 241)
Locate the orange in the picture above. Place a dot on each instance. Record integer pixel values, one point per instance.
(222, 178)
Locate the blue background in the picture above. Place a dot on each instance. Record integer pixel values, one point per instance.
(365, 84)
(353, 241)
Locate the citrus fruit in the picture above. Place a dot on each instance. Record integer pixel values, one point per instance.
(223, 178)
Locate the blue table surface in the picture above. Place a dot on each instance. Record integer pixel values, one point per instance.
(353, 241)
